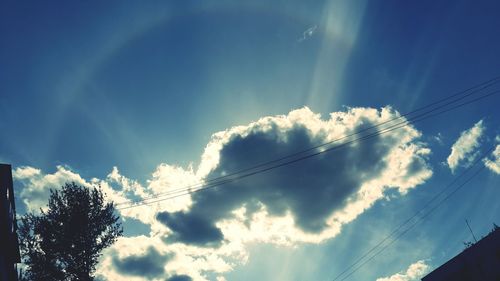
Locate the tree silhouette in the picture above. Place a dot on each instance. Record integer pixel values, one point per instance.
(65, 241)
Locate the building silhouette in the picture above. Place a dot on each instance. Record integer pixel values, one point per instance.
(9, 246)
(479, 262)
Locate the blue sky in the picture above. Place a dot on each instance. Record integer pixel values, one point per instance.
(130, 95)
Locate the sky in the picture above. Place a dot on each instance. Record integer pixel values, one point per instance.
(150, 98)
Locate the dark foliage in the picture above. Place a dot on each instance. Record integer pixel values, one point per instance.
(65, 241)
(469, 244)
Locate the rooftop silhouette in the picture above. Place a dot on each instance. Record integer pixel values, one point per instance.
(480, 261)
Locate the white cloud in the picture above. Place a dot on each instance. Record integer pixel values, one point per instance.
(356, 177)
(25, 173)
(493, 163)
(36, 186)
(348, 180)
(170, 179)
(414, 272)
(463, 151)
(126, 184)
(438, 138)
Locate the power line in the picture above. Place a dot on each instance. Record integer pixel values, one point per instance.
(411, 226)
(182, 192)
(460, 95)
(418, 118)
(405, 222)
(455, 180)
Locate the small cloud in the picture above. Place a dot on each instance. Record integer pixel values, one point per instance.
(438, 138)
(463, 151)
(308, 33)
(414, 272)
(25, 172)
(493, 163)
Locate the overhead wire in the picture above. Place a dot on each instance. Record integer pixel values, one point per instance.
(216, 184)
(474, 89)
(357, 264)
(480, 87)
(183, 192)
(224, 180)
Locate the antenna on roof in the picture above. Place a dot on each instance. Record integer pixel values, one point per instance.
(471, 230)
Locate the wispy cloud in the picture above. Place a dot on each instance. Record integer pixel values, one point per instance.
(463, 151)
(308, 33)
(413, 273)
(493, 162)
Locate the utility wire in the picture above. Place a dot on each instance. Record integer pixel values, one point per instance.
(402, 124)
(418, 220)
(461, 95)
(411, 226)
(182, 192)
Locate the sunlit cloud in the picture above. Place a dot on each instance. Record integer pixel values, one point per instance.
(464, 150)
(36, 186)
(493, 161)
(339, 185)
(414, 272)
(209, 231)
